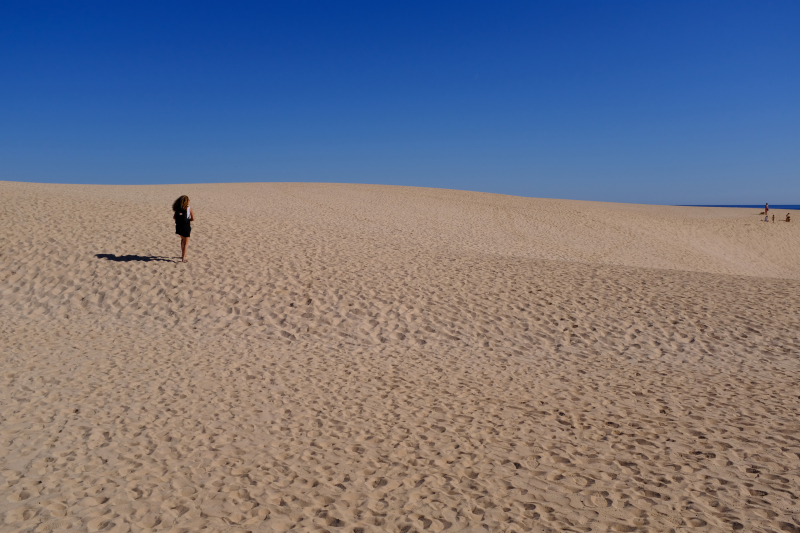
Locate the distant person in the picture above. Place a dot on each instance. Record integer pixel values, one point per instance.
(788, 218)
(183, 217)
(766, 219)
(773, 218)
(766, 209)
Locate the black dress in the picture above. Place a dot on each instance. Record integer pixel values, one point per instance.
(183, 226)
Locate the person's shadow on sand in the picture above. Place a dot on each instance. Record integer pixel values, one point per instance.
(127, 258)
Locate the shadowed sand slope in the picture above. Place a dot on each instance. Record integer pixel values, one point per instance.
(365, 358)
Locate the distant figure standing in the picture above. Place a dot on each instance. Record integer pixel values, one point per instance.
(183, 217)
(766, 209)
(788, 218)
(773, 218)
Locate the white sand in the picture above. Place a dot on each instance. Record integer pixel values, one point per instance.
(365, 358)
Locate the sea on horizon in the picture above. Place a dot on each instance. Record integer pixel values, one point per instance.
(760, 206)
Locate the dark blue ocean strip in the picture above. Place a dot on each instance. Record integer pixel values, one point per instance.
(761, 206)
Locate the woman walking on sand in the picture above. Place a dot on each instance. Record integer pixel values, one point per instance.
(183, 217)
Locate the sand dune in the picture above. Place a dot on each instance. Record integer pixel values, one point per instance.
(365, 358)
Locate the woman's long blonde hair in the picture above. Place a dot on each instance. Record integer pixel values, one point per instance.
(181, 204)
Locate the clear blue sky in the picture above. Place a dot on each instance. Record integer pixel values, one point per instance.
(640, 101)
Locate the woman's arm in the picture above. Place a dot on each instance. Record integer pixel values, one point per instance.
(191, 215)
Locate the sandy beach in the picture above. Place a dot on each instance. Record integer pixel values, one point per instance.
(356, 358)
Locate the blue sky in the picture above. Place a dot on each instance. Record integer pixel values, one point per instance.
(653, 102)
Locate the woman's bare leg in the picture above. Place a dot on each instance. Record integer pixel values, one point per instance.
(184, 247)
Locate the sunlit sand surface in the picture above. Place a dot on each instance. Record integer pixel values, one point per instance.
(370, 358)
